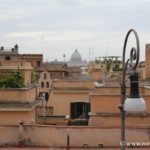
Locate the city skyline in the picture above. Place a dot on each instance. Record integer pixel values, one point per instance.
(54, 28)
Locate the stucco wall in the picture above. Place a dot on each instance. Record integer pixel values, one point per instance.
(104, 109)
(97, 74)
(73, 84)
(56, 136)
(104, 103)
(18, 95)
(110, 103)
(111, 121)
(13, 117)
(27, 76)
(60, 101)
(45, 80)
(115, 90)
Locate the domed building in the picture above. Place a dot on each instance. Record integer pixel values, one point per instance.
(76, 60)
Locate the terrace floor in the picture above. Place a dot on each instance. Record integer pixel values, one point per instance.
(42, 148)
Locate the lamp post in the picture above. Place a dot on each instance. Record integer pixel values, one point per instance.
(134, 103)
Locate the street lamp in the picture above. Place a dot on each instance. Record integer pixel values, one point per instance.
(133, 103)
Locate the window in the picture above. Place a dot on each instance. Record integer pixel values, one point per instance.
(66, 74)
(45, 76)
(47, 84)
(51, 75)
(46, 96)
(42, 84)
(7, 57)
(40, 94)
(117, 66)
(38, 63)
(79, 110)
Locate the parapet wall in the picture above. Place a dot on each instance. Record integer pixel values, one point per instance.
(56, 136)
(73, 84)
(21, 95)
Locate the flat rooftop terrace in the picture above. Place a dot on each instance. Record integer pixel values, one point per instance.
(42, 148)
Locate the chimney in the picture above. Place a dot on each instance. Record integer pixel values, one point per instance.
(2, 48)
(16, 47)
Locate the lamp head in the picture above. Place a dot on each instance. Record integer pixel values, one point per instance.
(134, 103)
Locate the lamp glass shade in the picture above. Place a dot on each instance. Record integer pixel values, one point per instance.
(134, 105)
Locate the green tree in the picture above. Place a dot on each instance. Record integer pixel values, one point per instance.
(13, 80)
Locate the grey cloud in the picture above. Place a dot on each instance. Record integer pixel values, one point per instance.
(49, 24)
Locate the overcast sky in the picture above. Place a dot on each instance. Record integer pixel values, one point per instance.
(57, 27)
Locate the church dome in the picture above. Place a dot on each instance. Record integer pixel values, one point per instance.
(76, 60)
(76, 57)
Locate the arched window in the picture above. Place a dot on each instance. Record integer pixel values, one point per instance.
(42, 84)
(45, 76)
(47, 84)
(50, 75)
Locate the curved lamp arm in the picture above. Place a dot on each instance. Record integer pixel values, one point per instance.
(134, 53)
(134, 102)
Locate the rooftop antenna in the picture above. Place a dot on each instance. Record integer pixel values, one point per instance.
(106, 52)
(89, 54)
(105, 58)
(92, 49)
